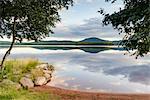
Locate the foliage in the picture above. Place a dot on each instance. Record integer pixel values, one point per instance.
(34, 18)
(28, 19)
(134, 20)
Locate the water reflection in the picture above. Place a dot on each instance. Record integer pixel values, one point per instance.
(108, 70)
(95, 49)
(139, 73)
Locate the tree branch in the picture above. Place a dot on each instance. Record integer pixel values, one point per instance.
(11, 46)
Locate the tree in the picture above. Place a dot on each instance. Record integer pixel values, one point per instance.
(28, 19)
(134, 20)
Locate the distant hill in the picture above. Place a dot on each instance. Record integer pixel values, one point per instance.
(93, 40)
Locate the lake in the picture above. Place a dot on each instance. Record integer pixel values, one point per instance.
(97, 69)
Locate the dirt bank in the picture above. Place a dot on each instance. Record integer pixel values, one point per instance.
(78, 95)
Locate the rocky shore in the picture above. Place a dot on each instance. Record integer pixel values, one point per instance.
(40, 75)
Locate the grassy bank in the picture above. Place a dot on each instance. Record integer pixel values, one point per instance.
(9, 92)
(13, 71)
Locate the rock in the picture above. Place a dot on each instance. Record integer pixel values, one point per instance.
(27, 75)
(48, 80)
(18, 86)
(51, 68)
(40, 81)
(11, 83)
(43, 66)
(37, 72)
(47, 76)
(47, 71)
(26, 82)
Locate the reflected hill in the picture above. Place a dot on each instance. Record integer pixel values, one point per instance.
(85, 49)
(90, 45)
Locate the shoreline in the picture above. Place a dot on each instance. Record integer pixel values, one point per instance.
(62, 45)
(81, 95)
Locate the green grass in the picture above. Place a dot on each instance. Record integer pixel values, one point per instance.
(9, 92)
(14, 70)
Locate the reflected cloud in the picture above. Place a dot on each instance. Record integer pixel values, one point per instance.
(108, 71)
(137, 73)
(60, 81)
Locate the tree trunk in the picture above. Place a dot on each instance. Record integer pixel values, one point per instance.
(11, 46)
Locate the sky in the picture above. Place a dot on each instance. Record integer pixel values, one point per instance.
(83, 21)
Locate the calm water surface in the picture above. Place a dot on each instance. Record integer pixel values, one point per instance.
(103, 71)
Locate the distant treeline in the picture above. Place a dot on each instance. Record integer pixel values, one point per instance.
(88, 41)
(66, 43)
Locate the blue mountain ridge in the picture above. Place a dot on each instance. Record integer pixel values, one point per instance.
(93, 40)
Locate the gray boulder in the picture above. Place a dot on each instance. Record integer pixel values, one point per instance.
(40, 81)
(47, 76)
(47, 71)
(27, 75)
(43, 66)
(26, 82)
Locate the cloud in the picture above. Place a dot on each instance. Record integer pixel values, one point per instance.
(89, 28)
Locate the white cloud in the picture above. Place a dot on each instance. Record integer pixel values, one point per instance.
(90, 28)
